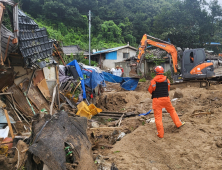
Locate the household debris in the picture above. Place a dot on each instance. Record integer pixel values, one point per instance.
(63, 140)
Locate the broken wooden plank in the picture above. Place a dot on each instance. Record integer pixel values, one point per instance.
(9, 124)
(43, 87)
(39, 76)
(6, 52)
(34, 95)
(21, 100)
(53, 98)
(105, 128)
(59, 55)
(58, 85)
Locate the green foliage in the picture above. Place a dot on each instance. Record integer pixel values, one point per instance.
(142, 80)
(186, 23)
(154, 59)
(115, 22)
(169, 76)
(80, 59)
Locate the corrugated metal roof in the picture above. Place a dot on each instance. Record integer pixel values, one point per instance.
(74, 49)
(10, 2)
(214, 43)
(33, 41)
(114, 49)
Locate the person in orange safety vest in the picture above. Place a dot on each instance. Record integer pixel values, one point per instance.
(159, 88)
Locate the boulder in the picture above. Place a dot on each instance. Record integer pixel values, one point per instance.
(178, 94)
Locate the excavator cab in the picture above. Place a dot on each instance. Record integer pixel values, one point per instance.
(194, 66)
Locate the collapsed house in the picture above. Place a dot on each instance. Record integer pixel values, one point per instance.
(30, 100)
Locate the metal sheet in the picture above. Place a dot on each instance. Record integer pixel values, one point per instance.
(34, 95)
(43, 87)
(21, 100)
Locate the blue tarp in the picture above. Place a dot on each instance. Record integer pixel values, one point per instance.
(125, 82)
(78, 69)
(93, 78)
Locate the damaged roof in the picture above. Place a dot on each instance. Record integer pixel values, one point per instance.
(74, 49)
(34, 43)
(6, 38)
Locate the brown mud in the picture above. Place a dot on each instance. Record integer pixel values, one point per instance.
(196, 145)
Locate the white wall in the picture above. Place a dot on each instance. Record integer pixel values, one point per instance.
(111, 63)
(166, 67)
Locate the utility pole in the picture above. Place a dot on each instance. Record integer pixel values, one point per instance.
(89, 36)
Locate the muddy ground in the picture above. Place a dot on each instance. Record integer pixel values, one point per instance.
(196, 145)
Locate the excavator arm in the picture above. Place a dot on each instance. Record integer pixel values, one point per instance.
(167, 47)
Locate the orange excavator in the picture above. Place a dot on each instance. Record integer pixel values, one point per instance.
(193, 62)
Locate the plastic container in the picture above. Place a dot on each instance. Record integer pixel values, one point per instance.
(94, 110)
(83, 113)
(83, 105)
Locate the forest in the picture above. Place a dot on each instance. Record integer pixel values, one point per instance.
(185, 23)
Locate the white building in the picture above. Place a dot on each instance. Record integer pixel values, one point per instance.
(108, 57)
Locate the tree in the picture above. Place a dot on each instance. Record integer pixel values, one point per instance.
(186, 24)
(110, 32)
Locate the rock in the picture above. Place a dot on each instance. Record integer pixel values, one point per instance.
(95, 125)
(45, 167)
(178, 94)
(122, 134)
(219, 144)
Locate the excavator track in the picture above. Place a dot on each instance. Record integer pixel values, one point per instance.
(196, 83)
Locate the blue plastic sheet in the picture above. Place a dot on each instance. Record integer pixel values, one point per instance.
(78, 69)
(144, 114)
(125, 82)
(93, 78)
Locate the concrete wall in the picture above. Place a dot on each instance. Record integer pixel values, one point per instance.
(149, 67)
(127, 69)
(111, 63)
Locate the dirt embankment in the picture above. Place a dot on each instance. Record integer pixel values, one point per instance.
(197, 145)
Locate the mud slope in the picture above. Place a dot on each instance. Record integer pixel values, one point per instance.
(196, 145)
